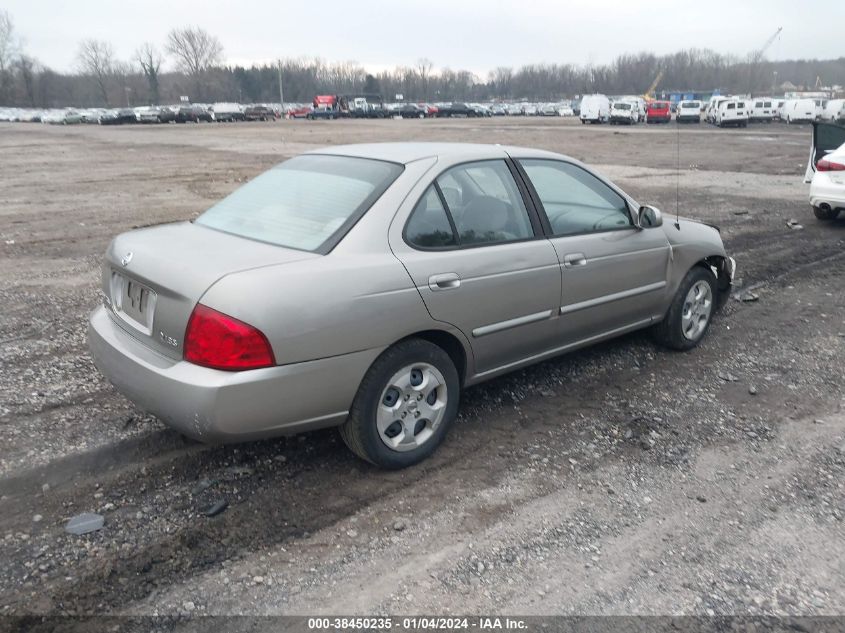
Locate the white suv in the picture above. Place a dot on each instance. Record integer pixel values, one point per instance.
(689, 112)
(623, 112)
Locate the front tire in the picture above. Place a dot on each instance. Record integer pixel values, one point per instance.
(690, 312)
(405, 405)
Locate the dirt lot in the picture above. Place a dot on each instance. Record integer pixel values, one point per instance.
(621, 479)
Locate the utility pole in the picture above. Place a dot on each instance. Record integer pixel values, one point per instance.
(281, 92)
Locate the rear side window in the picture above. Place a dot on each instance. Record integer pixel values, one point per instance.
(307, 202)
(429, 225)
(485, 203)
(470, 204)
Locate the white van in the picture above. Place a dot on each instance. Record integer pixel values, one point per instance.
(800, 111)
(834, 111)
(689, 111)
(761, 109)
(779, 105)
(821, 104)
(595, 109)
(713, 108)
(732, 112)
(223, 111)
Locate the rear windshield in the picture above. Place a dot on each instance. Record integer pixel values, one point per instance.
(622, 106)
(690, 105)
(307, 202)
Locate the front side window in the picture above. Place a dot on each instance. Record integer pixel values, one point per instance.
(307, 202)
(485, 203)
(574, 200)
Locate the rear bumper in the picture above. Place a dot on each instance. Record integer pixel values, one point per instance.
(823, 191)
(221, 406)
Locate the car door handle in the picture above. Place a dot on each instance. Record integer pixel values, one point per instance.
(575, 259)
(444, 281)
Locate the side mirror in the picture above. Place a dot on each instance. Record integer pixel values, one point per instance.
(649, 217)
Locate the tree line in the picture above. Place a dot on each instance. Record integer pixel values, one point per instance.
(196, 70)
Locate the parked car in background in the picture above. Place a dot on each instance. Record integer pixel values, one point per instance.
(732, 112)
(548, 109)
(761, 110)
(622, 112)
(800, 111)
(386, 314)
(498, 109)
(564, 109)
(456, 109)
(658, 112)
(92, 115)
(193, 114)
(713, 108)
(826, 170)
(410, 111)
(515, 109)
(61, 117)
(259, 113)
(299, 112)
(156, 114)
(119, 116)
(834, 111)
(778, 109)
(689, 111)
(595, 108)
(226, 112)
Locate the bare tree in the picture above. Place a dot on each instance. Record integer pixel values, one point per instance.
(27, 69)
(424, 66)
(194, 49)
(8, 51)
(150, 60)
(96, 58)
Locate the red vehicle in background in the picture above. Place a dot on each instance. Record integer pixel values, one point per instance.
(658, 112)
(299, 112)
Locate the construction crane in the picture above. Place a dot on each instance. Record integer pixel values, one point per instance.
(648, 95)
(756, 57)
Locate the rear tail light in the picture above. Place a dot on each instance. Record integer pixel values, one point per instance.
(829, 165)
(216, 340)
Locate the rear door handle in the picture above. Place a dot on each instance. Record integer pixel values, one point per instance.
(444, 281)
(575, 259)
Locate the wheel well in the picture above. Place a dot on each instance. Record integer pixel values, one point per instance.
(719, 266)
(450, 344)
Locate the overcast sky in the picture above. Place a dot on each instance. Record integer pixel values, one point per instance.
(474, 34)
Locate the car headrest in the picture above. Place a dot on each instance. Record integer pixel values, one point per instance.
(485, 214)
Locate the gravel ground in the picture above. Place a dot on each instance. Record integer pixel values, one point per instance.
(621, 479)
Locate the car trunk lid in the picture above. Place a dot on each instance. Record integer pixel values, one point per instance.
(152, 278)
(827, 138)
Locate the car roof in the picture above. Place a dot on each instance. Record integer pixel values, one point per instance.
(409, 152)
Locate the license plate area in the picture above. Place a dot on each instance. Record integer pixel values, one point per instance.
(133, 302)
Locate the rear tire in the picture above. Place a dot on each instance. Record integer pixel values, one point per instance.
(690, 313)
(825, 214)
(394, 422)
